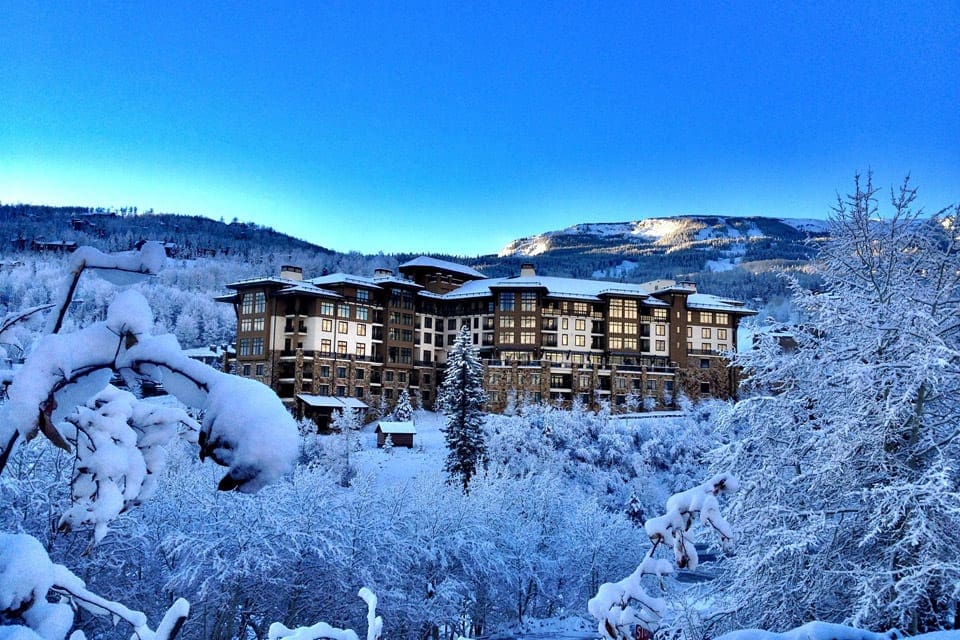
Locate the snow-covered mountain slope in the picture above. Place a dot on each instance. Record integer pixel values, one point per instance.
(674, 232)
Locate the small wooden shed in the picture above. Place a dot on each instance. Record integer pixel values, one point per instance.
(401, 433)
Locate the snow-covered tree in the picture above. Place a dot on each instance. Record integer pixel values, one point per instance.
(462, 399)
(63, 392)
(848, 444)
(403, 412)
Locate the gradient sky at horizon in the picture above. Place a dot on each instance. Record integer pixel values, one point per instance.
(455, 127)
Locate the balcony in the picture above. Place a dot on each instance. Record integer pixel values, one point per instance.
(550, 341)
(598, 328)
(548, 324)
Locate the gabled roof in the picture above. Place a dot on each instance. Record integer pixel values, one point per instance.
(405, 427)
(443, 265)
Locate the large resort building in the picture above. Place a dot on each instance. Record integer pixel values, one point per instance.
(343, 340)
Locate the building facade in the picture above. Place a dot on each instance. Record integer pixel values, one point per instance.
(540, 337)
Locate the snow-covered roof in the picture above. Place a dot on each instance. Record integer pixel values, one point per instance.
(262, 280)
(305, 288)
(716, 303)
(573, 288)
(200, 352)
(333, 402)
(424, 261)
(344, 278)
(405, 427)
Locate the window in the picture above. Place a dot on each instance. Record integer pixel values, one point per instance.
(363, 295)
(580, 341)
(630, 309)
(341, 391)
(689, 316)
(565, 323)
(581, 324)
(363, 313)
(508, 301)
(324, 389)
(388, 376)
(704, 387)
(705, 333)
(243, 348)
(406, 356)
(528, 322)
(630, 344)
(326, 308)
(342, 347)
(616, 327)
(326, 324)
(452, 324)
(528, 301)
(246, 324)
(428, 323)
(451, 338)
(324, 371)
(259, 302)
(565, 340)
(585, 380)
(661, 345)
(438, 340)
(407, 319)
(388, 394)
(342, 326)
(343, 310)
(507, 322)
(704, 363)
(341, 372)
(616, 308)
(259, 369)
(706, 317)
(528, 337)
(406, 335)
(660, 314)
(581, 308)
(427, 338)
(361, 349)
(257, 346)
(707, 346)
(651, 385)
(361, 329)
(358, 392)
(661, 329)
(721, 334)
(246, 370)
(326, 346)
(476, 338)
(476, 323)
(505, 337)
(615, 342)
(246, 305)
(723, 318)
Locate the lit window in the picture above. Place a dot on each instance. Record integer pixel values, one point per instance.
(615, 342)
(705, 332)
(505, 337)
(326, 324)
(528, 322)
(580, 341)
(341, 347)
(528, 337)
(706, 317)
(721, 334)
(660, 314)
(661, 330)
(326, 308)
(361, 329)
(580, 324)
(661, 345)
(723, 318)
(507, 322)
(361, 349)
(528, 301)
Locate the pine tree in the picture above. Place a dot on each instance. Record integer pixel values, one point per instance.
(462, 399)
(403, 412)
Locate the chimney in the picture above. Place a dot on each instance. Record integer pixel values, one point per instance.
(527, 270)
(290, 272)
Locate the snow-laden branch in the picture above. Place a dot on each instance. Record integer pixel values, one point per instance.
(28, 577)
(620, 606)
(323, 631)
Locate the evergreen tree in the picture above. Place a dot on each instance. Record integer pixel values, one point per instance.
(403, 412)
(462, 399)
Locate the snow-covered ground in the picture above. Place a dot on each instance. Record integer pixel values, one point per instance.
(401, 464)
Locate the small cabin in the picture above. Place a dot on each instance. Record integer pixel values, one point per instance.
(401, 433)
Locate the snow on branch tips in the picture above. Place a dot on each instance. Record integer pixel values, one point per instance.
(620, 606)
(63, 391)
(323, 631)
(28, 577)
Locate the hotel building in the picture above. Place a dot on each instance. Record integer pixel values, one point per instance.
(345, 339)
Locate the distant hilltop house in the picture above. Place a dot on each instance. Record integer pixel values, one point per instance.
(54, 246)
(540, 337)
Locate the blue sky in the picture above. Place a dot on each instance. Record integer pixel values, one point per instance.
(457, 126)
